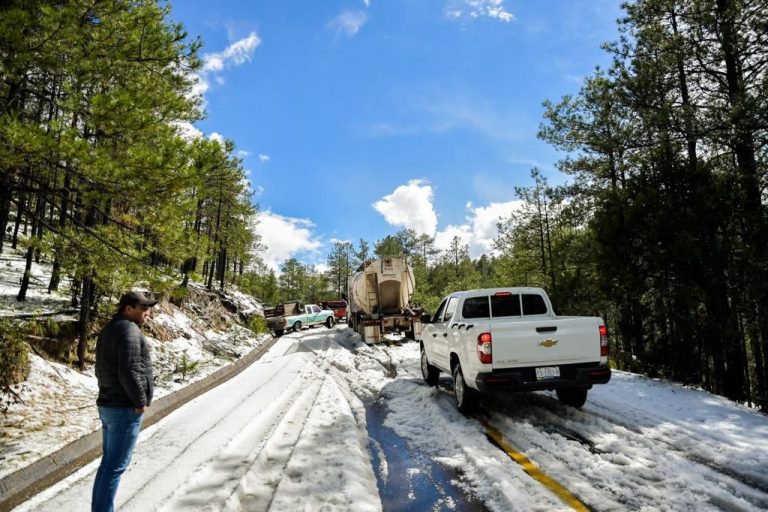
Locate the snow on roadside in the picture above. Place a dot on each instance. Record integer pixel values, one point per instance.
(38, 300)
(59, 402)
(56, 409)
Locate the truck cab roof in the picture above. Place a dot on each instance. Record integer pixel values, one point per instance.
(498, 291)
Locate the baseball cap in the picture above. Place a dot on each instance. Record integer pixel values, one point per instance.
(136, 299)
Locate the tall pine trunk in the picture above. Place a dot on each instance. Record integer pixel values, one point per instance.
(6, 194)
(36, 221)
(749, 193)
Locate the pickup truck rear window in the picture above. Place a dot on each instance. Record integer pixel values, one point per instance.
(533, 304)
(505, 305)
(476, 307)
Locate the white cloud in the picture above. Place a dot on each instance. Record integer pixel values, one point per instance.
(243, 153)
(235, 54)
(480, 228)
(410, 206)
(348, 22)
(263, 158)
(285, 237)
(495, 9)
(322, 267)
(367, 3)
(187, 131)
(217, 137)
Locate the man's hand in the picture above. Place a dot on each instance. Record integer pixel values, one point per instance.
(140, 410)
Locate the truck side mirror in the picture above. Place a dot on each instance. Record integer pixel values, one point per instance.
(426, 319)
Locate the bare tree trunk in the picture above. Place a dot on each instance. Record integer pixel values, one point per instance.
(6, 193)
(39, 211)
(86, 303)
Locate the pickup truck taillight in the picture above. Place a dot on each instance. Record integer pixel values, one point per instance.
(485, 348)
(603, 341)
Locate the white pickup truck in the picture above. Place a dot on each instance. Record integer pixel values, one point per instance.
(509, 339)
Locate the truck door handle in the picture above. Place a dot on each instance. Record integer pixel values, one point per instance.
(434, 335)
(445, 335)
(546, 329)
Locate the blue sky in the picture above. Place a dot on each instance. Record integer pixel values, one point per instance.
(358, 118)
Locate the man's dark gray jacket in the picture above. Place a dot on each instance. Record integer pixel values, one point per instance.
(123, 365)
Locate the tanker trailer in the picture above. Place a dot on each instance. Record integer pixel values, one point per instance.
(379, 300)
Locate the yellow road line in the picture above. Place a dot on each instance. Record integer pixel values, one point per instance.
(531, 468)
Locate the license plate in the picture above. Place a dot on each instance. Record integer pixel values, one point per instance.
(547, 372)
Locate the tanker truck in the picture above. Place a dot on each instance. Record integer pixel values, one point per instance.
(380, 300)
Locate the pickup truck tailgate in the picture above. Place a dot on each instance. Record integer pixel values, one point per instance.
(544, 342)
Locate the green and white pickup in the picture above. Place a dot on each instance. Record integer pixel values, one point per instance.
(312, 314)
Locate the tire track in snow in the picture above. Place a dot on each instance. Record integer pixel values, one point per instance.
(215, 481)
(139, 485)
(203, 447)
(550, 424)
(256, 485)
(541, 426)
(758, 481)
(556, 423)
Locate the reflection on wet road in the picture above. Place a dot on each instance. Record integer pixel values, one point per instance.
(408, 479)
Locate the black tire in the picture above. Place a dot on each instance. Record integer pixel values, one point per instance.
(329, 322)
(297, 327)
(279, 332)
(430, 373)
(575, 397)
(466, 399)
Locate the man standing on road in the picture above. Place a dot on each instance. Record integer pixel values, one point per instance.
(124, 372)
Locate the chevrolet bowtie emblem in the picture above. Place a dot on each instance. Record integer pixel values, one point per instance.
(549, 342)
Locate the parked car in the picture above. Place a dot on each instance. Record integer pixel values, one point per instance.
(509, 339)
(339, 308)
(310, 314)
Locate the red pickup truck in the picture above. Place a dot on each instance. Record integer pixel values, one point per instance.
(339, 308)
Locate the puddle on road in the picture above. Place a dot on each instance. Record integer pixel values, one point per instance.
(408, 479)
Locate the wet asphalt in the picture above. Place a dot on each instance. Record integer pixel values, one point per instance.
(412, 481)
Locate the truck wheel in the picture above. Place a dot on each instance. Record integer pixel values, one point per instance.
(279, 332)
(464, 395)
(329, 322)
(297, 327)
(575, 397)
(430, 373)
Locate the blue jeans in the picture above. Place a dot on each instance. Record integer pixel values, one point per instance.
(120, 430)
